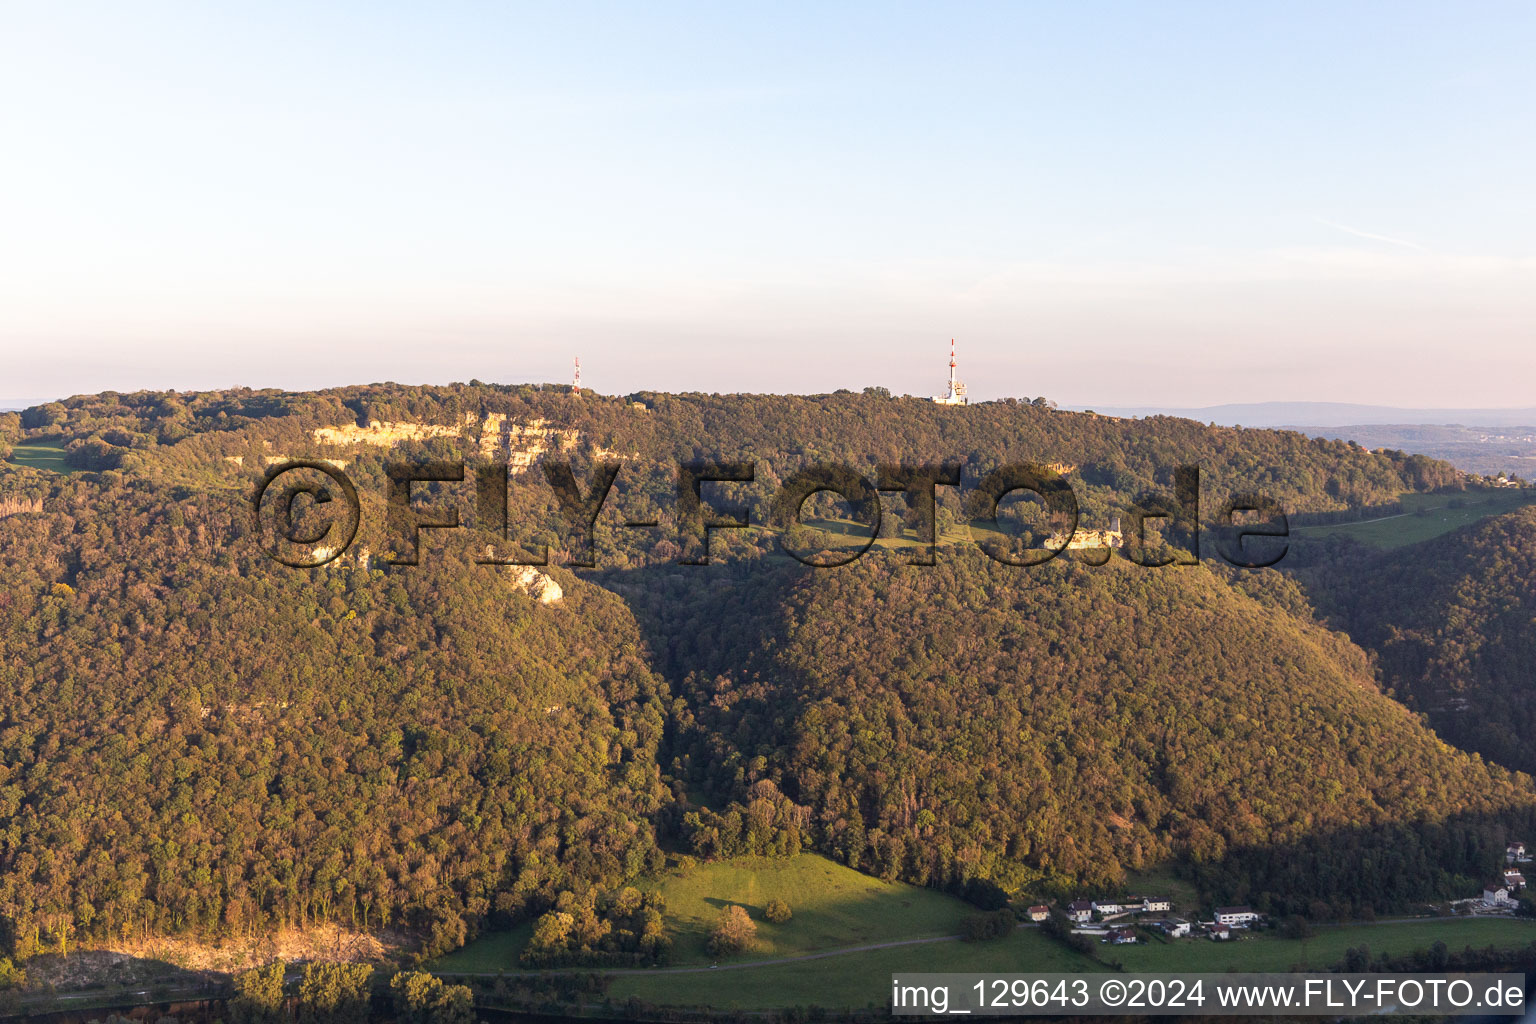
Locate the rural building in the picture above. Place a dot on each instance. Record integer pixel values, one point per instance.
(1039, 912)
(1122, 936)
(1089, 539)
(1220, 933)
(1515, 853)
(1080, 911)
(1496, 894)
(1174, 928)
(1235, 915)
(1515, 880)
(1154, 904)
(1109, 906)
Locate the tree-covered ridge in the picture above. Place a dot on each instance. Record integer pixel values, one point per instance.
(169, 434)
(1453, 622)
(1056, 725)
(196, 740)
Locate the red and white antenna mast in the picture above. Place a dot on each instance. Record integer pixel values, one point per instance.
(956, 394)
(576, 377)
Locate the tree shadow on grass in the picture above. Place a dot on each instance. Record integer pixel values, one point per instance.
(719, 904)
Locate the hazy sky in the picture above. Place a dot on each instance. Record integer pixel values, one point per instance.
(1135, 204)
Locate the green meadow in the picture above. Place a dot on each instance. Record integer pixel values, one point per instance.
(858, 979)
(837, 910)
(834, 907)
(492, 952)
(847, 980)
(1266, 951)
(47, 455)
(1425, 516)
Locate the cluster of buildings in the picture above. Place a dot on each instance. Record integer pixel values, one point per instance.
(1085, 912)
(1082, 911)
(1100, 917)
(1502, 892)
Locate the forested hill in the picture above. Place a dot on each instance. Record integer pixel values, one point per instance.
(1453, 621)
(1064, 724)
(200, 436)
(196, 739)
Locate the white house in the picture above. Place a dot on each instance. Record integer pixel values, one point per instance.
(1039, 912)
(1080, 911)
(1514, 880)
(1173, 927)
(1236, 916)
(1122, 936)
(1515, 853)
(1109, 906)
(1220, 933)
(1496, 894)
(1153, 904)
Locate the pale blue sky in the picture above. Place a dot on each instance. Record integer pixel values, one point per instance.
(1174, 204)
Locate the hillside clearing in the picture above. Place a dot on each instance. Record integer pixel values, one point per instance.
(1424, 517)
(44, 455)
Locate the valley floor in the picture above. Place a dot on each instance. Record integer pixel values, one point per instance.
(850, 933)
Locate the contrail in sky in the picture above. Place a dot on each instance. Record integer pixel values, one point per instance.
(1375, 238)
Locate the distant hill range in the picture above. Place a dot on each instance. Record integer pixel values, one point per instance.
(1485, 450)
(1303, 415)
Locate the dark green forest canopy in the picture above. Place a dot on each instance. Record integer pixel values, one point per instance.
(169, 434)
(1453, 621)
(1061, 724)
(197, 740)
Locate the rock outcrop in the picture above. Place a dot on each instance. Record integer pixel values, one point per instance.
(385, 434)
(537, 585)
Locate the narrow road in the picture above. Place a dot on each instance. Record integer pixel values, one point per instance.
(1362, 522)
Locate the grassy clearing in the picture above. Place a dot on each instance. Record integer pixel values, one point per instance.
(1265, 951)
(850, 980)
(843, 534)
(496, 951)
(836, 908)
(833, 906)
(858, 979)
(45, 455)
(1426, 516)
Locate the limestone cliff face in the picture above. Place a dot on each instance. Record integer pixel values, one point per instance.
(522, 444)
(385, 434)
(537, 585)
(492, 435)
(500, 439)
(14, 506)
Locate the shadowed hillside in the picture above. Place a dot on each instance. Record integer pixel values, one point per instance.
(1453, 621)
(1038, 726)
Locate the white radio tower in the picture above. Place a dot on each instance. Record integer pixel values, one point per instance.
(576, 378)
(956, 393)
